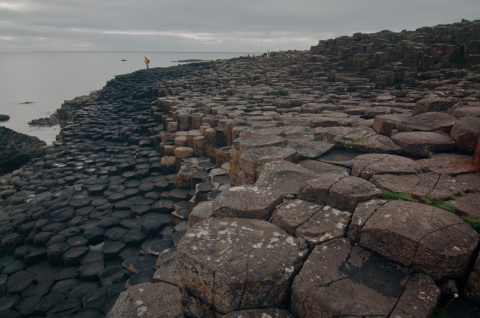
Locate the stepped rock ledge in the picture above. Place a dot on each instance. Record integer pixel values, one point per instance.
(342, 181)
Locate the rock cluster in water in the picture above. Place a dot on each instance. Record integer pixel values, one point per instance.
(299, 184)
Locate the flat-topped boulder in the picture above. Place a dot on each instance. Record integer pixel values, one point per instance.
(250, 163)
(239, 148)
(429, 239)
(465, 132)
(367, 165)
(232, 264)
(448, 163)
(337, 190)
(420, 144)
(246, 201)
(352, 282)
(284, 177)
(422, 185)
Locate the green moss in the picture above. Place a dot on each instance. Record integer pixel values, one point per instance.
(356, 139)
(390, 195)
(306, 129)
(439, 204)
(318, 138)
(473, 222)
(283, 146)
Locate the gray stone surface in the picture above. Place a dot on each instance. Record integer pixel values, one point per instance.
(231, 264)
(431, 240)
(247, 202)
(284, 177)
(159, 300)
(355, 283)
(365, 166)
(421, 144)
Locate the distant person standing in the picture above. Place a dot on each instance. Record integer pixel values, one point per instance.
(147, 61)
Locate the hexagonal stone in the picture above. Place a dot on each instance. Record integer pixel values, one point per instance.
(347, 192)
(246, 202)
(317, 189)
(421, 144)
(291, 214)
(19, 281)
(326, 224)
(448, 163)
(352, 282)
(430, 239)
(365, 166)
(284, 177)
(429, 185)
(231, 264)
(183, 152)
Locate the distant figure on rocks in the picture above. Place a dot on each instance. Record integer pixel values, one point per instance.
(147, 61)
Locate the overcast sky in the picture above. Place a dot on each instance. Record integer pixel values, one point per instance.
(210, 25)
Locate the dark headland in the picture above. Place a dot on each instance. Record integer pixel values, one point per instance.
(342, 181)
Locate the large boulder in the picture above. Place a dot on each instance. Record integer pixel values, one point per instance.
(246, 201)
(421, 144)
(232, 264)
(339, 191)
(339, 280)
(429, 239)
(17, 149)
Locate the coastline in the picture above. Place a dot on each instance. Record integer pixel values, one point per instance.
(297, 146)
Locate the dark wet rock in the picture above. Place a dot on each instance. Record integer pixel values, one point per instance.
(19, 281)
(146, 302)
(4, 117)
(18, 149)
(49, 301)
(73, 255)
(112, 275)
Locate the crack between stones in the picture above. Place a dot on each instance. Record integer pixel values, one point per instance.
(359, 175)
(375, 211)
(399, 298)
(433, 188)
(427, 235)
(246, 282)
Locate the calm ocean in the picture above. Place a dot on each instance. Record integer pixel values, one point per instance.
(34, 84)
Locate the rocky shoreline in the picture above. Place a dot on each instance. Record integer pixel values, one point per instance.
(300, 184)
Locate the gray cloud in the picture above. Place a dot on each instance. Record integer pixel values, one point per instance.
(209, 25)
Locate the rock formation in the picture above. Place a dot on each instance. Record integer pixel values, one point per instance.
(300, 184)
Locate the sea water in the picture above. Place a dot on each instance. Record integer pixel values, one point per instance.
(35, 84)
